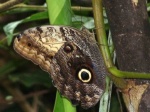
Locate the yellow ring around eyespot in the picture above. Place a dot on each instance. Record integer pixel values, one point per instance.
(84, 70)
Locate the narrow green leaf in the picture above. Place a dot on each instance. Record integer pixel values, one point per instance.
(106, 97)
(37, 16)
(59, 12)
(9, 30)
(59, 105)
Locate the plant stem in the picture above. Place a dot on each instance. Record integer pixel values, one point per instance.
(8, 4)
(102, 40)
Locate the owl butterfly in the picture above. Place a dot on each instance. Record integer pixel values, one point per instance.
(70, 56)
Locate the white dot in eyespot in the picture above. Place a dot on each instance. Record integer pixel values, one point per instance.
(84, 75)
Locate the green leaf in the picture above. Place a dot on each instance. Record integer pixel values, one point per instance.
(62, 104)
(106, 97)
(9, 30)
(59, 105)
(59, 12)
(37, 16)
(80, 21)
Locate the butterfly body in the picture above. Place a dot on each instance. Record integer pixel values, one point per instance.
(70, 56)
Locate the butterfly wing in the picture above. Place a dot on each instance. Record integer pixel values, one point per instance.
(71, 57)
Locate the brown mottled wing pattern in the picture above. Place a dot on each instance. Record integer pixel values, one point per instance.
(70, 56)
